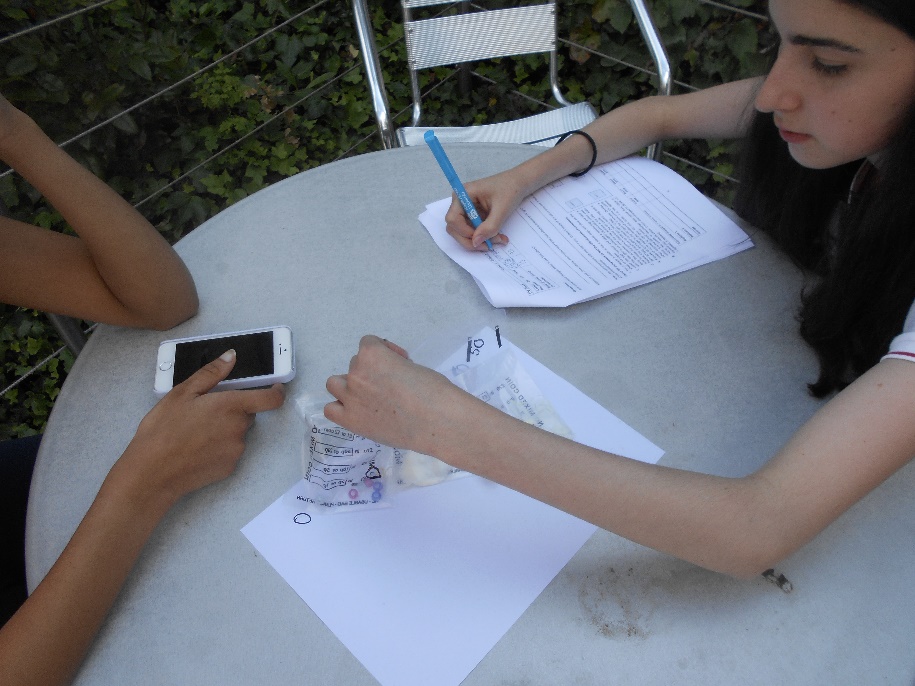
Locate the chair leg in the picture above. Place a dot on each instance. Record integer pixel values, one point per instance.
(70, 331)
(373, 73)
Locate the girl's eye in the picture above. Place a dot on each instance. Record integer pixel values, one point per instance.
(828, 69)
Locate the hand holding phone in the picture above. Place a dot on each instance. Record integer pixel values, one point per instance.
(263, 357)
(192, 437)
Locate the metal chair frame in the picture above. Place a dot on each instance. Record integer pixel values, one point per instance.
(469, 37)
(531, 29)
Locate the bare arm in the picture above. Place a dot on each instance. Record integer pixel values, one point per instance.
(720, 112)
(738, 526)
(190, 439)
(119, 270)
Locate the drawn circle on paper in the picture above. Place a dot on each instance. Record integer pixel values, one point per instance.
(302, 518)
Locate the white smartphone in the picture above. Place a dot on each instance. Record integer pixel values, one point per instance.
(263, 357)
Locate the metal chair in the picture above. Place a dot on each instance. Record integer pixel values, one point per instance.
(486, 34)
(70, 332)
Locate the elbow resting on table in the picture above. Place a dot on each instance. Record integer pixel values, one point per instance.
(760, 551)
(751, 566)
(176, 311)
(746, 559)
(171, 319)
(747, 537)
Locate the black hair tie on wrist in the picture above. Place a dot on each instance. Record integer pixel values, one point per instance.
(593, 150)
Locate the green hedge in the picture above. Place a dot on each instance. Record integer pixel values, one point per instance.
(78, 72)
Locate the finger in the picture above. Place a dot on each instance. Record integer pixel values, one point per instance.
(456, 220)
(488, 230)
(460, 213)
(370, 340)
(205, 379)
(459, 226)
(396, 348)
(456, 234)
(459, 229)
(336, 385)
(334, 411)
(478, 242)
(245, 423)
(262, 399)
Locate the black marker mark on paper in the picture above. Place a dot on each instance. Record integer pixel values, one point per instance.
(778, 579)
(498, 338)
(302, 518)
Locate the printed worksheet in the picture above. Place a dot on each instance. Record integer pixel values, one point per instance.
(623, 224)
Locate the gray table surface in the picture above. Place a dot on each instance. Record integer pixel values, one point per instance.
(707, 364)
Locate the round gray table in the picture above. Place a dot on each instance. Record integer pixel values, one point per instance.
(706, 364)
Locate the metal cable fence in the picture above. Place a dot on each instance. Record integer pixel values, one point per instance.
(362, 141)
(152, 100)
(724, 8)
(51, 22)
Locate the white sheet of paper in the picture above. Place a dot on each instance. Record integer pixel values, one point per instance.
(623, 224)
(420, 592)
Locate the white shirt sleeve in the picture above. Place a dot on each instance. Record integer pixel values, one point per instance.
(903, 346)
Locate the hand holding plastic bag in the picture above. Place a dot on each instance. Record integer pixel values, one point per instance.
(343, 471)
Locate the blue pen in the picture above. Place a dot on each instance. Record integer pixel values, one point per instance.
(453, 179)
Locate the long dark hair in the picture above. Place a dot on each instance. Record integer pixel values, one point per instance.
(862, 267)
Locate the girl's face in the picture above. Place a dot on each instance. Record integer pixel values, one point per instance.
(842, 83)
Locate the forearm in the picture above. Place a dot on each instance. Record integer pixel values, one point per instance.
(720, 112)
(711, 521)
(190, 439)
(45, 641)
(146, 278)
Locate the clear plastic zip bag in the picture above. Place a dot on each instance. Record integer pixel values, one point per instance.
(343, 471)
(487, 368)
(346, 472)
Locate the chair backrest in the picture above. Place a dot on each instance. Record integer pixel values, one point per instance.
(474, 36)
(520, 30)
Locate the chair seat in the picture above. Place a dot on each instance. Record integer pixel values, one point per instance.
(524, 130)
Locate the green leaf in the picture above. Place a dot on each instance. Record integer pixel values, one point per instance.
(138, 65)
(743, 39)
(127, 124)
(621, 17)
(682, 9)
(21, 65)
(15, 13)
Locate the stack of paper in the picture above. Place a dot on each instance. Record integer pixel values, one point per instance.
(623, 224)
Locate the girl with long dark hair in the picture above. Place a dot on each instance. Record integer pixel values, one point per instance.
(826, 173)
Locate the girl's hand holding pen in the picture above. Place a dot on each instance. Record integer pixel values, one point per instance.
(495, 198)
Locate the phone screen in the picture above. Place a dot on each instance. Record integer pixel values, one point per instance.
(253, 355)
